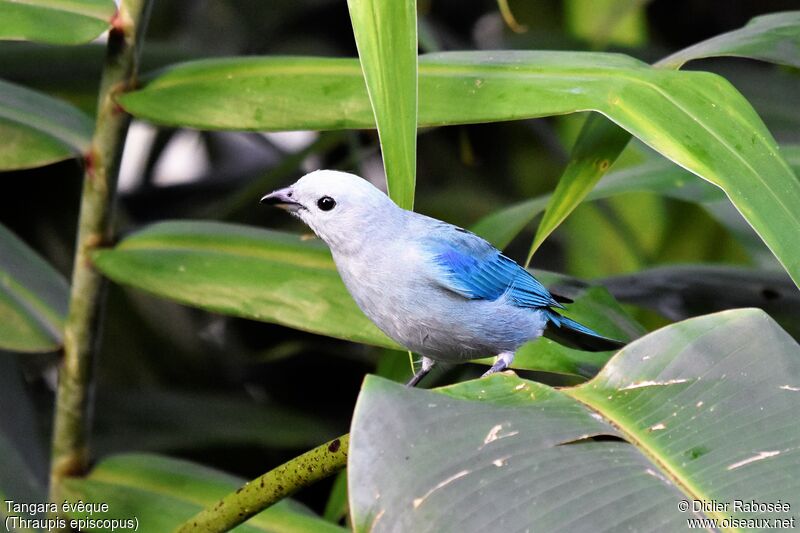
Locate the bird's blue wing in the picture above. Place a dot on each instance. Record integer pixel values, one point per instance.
(476, 270)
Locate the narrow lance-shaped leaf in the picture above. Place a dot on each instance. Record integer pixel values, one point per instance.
(282, 278)
(659, 176)
(696, 119)
(685, 413)
(38, 130)
(599, 144)
(386, 36)
(655, 175)
(33, 298)
(55, 21)
(774, 38)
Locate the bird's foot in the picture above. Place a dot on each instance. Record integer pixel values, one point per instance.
(503, 362)
(427, 364)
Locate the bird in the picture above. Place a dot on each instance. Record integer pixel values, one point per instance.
(437, 289)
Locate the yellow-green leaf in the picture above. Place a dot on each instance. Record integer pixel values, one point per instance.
(696, 119)
(386, 35)
(55, 21)
(38, 130)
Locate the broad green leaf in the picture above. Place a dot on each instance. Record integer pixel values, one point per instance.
(598, 146)
(33, 298)
(696, 410)
(696, 119)
(38, 130)
(55, 21)
(162, 493)
(386, 36)
(774, 38)
(282, 278)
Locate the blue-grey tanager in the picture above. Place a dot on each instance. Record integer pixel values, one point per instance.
(435, 288)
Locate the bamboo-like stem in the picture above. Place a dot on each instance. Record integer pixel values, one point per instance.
(70, 428)
(275, 485)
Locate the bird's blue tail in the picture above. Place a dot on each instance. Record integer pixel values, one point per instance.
(567, 331)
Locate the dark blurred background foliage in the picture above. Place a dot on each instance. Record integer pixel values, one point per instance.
(245, 396)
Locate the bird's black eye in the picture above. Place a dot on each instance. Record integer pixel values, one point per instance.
(326, 203)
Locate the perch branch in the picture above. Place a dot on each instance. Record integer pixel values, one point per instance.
(275, 485)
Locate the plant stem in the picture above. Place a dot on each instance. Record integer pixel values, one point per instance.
(101, 163)
(275, 485)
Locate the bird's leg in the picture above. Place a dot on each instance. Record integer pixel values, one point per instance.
(427, 364)
(503, 361)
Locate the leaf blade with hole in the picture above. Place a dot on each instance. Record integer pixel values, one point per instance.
(507, 451)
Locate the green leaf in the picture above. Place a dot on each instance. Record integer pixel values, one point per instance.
(38, 130)
(162, 493)
(696, 119)
(33, 298)
(386, 36)
(336, 506)
(55, 21)
(774, 38)
(282, 278)
(242, 271)
(655, 175)
(687, 412)
(599, 144)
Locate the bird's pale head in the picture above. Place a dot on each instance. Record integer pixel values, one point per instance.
(341, 208)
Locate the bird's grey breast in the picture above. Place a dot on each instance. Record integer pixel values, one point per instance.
(395, 285)
(387, 282)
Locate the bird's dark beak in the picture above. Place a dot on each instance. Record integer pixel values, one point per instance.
(282, 198)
